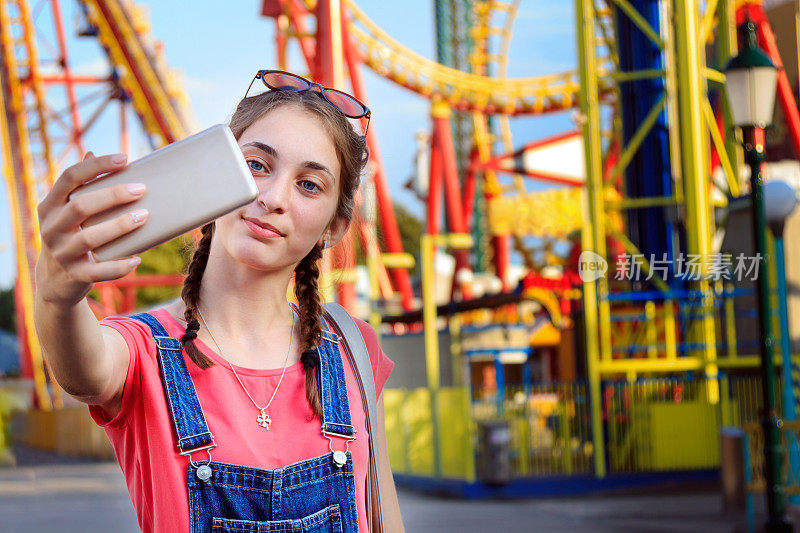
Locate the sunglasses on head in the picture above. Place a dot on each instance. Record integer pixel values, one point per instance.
(278, 80)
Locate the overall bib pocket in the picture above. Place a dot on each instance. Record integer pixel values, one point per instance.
(328, 520)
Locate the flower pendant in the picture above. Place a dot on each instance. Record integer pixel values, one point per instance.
(264, 421)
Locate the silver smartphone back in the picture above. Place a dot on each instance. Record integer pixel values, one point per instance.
(189, 183)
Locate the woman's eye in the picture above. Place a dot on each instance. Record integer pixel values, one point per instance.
(256, 165)
(309, 186)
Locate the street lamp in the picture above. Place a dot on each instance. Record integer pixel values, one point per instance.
(750, 83)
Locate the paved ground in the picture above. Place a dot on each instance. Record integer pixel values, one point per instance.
(91, 497)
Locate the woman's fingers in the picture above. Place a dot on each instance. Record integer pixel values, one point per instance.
(79, 173)
(92, 237)
(107, 270)
(82, 206)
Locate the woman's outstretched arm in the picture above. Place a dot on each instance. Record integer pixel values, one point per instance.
(88, 361)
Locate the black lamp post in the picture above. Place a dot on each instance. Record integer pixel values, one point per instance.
(750, 83)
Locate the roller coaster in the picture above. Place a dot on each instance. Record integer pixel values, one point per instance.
(479, 203)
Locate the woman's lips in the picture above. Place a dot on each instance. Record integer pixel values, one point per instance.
(262, 232)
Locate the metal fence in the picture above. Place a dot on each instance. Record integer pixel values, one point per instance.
(649, 425)
(550, 428)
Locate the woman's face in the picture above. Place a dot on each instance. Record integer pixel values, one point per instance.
(294, 163)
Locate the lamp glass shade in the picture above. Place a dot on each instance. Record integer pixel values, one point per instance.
(751, 95)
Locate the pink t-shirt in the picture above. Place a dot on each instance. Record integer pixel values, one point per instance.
(144, 440)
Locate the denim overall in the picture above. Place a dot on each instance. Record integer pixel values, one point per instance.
(313, 496)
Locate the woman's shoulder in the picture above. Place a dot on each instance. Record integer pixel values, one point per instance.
(138, 333)
(369, 334)
(381, 364)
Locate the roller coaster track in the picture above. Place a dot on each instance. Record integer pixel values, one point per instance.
(29, 165)
(485, 61)
(461, 90)
(25, 142)
(155, 94)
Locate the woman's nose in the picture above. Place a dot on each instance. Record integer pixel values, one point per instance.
(273, 195)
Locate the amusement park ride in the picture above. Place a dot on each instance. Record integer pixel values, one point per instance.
(651, 129)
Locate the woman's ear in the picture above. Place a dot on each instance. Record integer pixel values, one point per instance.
(335, 232)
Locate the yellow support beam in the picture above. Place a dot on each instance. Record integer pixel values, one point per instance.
(695, 162)
(670, 331)
(624, 366)
(727, 46)
(638, 137)
(639, 21)
(711, 123)
(597, 313)
(398, 260)
(634, 75)
(431, 337)
(707, 23)
(631, 249)
(714, 75)
(633, 203)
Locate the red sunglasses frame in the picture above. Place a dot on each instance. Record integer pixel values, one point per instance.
(321, 89)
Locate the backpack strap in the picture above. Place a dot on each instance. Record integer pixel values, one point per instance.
(356, 350)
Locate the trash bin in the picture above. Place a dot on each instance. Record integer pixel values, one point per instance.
(731, 468)
(494, 452)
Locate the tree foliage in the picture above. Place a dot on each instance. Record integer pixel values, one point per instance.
(410, 228)
(170, 258)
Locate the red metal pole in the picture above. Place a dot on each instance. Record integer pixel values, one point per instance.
(391, 233)
(124, 140)
(469, 190)
(434, 211)
(444, 139)
(455, 215)
(767, 40)
(25, 363)
(502, 258)
(307, 46)
(329, 71)
(785, 96)
(280, 37)
(53, 79)
(77, 140)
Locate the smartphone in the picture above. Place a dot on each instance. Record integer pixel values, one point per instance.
(189, 183)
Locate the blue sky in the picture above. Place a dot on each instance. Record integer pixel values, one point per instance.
(219, 49)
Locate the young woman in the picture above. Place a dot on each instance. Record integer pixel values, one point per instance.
(240, 425)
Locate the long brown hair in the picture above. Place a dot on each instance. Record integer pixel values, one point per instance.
(352, 154)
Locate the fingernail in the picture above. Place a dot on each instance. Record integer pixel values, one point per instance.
(138, 215)
(136, 188)
(118, 158)
(134, 261)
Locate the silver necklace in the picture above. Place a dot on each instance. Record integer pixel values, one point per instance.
(263, 420)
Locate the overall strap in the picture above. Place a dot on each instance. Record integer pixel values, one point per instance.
(187, 415)
(333, 387)
(356, 350)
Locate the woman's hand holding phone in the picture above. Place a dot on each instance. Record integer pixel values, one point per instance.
(64, 272)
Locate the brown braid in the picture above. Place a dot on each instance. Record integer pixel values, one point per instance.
(306, 288)
(191, 296)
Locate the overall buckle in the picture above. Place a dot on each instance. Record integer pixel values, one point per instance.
(339, 457)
